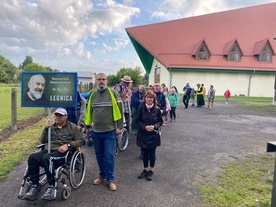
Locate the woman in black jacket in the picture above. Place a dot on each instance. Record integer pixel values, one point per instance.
(150, 120)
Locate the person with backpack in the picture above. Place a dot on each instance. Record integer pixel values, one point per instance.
(211, 97)
(125, 93)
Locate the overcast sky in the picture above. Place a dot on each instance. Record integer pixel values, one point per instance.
(89, 35)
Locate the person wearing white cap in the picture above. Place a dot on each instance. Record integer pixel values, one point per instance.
(64, 134)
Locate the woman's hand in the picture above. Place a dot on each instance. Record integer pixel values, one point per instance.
(149, 128)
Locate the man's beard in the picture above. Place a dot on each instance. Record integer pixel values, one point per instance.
(101, 89)
(35, 93)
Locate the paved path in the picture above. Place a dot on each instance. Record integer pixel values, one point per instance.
(192, 150)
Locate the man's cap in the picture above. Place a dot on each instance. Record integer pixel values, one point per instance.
(127, 79)
(61, 111)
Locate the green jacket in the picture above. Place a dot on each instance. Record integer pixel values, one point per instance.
(68, 134)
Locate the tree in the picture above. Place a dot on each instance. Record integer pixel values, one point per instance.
(28, 60)
(34, 67)
(135, 75)
(8, 72)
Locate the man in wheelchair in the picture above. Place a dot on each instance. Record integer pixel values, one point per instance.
(64, 134)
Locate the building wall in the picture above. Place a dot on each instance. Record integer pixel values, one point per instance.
(238, 84)
(262, 85)
(84, 80)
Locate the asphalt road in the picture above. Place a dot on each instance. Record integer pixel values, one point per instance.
(191, 152)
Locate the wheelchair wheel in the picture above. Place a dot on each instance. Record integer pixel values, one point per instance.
(123, 140)
(77, 169)
(66, 192)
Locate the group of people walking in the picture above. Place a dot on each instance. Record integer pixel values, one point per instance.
(199, 94)
(104, 114)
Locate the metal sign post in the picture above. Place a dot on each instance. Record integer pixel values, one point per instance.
(49, 130)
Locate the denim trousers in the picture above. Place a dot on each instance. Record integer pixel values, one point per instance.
(104, 145)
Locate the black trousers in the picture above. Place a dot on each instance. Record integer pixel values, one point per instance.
(186, 101)
(149, 156)
(49, 161)
(172, 113)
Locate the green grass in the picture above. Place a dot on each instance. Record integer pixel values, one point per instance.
(13, 150)
(243, 183)
(5, 107)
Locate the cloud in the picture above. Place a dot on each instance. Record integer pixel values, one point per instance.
(61, 27)
(176, 9)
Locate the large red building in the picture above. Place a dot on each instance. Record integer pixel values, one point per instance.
(231, 50)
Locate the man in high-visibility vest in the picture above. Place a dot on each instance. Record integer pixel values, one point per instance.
(104, 110)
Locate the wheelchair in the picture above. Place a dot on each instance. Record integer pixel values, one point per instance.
(122, 140)
(72, 168)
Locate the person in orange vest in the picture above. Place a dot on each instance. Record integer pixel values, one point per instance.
(203, 93)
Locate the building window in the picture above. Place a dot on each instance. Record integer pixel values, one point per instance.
(265, 55)
(202, 53)
(234, 54)
(157, 72)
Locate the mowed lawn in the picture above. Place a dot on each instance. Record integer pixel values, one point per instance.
(23, 113)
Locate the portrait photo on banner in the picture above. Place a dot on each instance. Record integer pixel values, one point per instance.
(48, 89)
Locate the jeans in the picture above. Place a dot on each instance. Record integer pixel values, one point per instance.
(104, 145)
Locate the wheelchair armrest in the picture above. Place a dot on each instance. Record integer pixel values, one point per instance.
(41, 146)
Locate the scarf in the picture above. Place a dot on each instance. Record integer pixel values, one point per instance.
(149, 107)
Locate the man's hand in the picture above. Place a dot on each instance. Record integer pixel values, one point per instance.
(49, 123)
(118, 131)
(63, 148)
